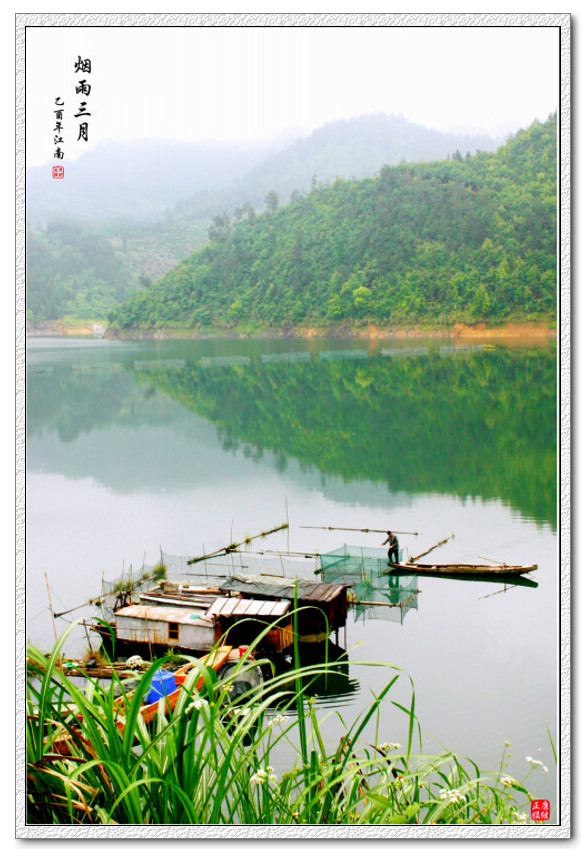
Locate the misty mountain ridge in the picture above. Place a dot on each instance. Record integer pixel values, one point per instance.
(135, 180)
(139, 180)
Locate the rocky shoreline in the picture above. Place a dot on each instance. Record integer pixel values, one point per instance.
(510, 330)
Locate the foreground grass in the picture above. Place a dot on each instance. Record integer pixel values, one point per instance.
(212, 760)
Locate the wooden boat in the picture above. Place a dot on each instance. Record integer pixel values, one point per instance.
(215, 660)
(497, 572)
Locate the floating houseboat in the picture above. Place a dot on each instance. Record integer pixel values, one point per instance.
(194, 619)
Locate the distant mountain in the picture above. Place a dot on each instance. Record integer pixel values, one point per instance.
(156, 201)
(135, 180)
(350, 149)
(355, 148)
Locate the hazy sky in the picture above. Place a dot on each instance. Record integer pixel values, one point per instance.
(251, 83)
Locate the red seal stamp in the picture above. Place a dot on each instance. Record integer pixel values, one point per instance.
(58, 172)
(540, 809)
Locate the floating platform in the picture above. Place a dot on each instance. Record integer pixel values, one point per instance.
(193, 619)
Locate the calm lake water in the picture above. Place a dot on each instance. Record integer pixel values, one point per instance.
(134, 448)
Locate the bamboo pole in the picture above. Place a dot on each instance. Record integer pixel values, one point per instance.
(204, 558)
(87, 636)
(232, 547)
(60, 661)
(96, 601)
(377, 603)
(507, 588)
(435, 546)
(100, 598)
(346, 529)
(79, 607)
(51, 606)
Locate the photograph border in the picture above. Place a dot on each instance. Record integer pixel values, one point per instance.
(561, 21)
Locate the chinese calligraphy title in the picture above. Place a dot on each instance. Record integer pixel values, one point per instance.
(83, 89)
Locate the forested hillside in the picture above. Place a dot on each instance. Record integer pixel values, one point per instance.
(350, 149)
(73, 267)
(196, 183)
(472, 238)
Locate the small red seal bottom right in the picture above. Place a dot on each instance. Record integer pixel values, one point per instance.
(540, 809)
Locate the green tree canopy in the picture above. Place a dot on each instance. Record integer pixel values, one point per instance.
(469, 239)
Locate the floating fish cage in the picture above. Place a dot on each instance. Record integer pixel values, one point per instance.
(170, 363)
(211, 572)
(286, 357)
(357, 562)
(343, 354)
(389, 598)
(190, 607)
(377, 594)
(225, 360)
(405, 351)
(449, 349)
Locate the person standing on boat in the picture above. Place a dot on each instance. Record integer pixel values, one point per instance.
(393, 543)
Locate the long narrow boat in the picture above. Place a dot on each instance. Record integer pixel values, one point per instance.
(215, 660)
(148, 712)
(485, 571)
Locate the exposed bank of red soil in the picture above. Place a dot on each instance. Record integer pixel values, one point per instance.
(512, 332)
(463, 332)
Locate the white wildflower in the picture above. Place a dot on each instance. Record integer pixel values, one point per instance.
(452, 796)
(390, 746)
(259, 777)
(278, 719)
(197, 704)
(507, 781)
(535, 763)
(519, 818)
(264, 776)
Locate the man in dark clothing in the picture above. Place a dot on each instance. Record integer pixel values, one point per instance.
(393, 543)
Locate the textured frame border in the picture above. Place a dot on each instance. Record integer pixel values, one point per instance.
(561, 21)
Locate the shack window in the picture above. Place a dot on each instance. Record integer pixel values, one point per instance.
(173, 630)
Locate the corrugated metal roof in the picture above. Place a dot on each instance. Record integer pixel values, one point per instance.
(165, 614)
(307, 591)
(248, 607)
